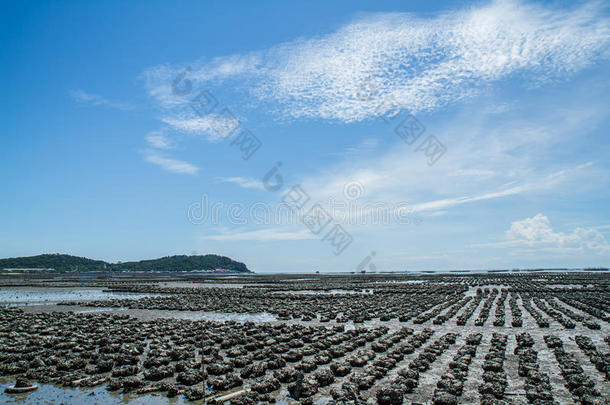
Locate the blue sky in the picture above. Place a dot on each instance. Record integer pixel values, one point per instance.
(108, 152)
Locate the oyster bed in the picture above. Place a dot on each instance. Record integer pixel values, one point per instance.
(388, 339)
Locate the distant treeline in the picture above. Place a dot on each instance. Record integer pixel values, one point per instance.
(61, 262)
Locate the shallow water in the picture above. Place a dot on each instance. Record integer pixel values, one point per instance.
(38, 295)
(207, 284)
(50, 394)
(231, 316)
(324, 292)
(151, 314)
(94, 310)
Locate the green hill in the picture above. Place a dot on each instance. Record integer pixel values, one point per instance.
(61, 262)
(183, 263)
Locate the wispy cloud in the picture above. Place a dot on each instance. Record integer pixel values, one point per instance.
(212, 126)
(380, 61)
(489, 159)
(451, 202)
(156, 153)
(243, 182)
(420, 64)
(159, 140)
(543, 183)
(93, 99)
(365, 147)
(263, 235)
(169, 164)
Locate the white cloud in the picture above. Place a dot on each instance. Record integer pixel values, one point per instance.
(474, 173)
(366, 146)
(451, 202)
(214, 127)
(263, 235)
(243, 182)
(169, 164)
(533, 230)
(483, 166)
(536, 234)
(94, 99)
(420, 63)
(158, 140)
(542, 183)
(487, 159)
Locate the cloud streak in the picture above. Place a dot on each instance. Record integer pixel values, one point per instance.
(158, 140)
(243, 182)
(214, 127)
(169, 164)
(543, 183)
(93, 99)
(263, 235)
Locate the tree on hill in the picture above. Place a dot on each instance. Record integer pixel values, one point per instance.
(61, 262)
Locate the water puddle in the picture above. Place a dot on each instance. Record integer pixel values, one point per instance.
(324, 292)
(229, 316)
(44, 296)
(94, 310)
(50, 394)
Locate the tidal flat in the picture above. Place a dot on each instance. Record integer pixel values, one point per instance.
(490, 338)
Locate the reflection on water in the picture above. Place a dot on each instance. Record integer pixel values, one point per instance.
(152, 314)
(325, 292)
(228, 316)
(50, 394)
(88, 311)
(37, 295)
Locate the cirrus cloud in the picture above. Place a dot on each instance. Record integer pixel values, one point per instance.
(169, 164)
(82, 97)
(382, 61)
